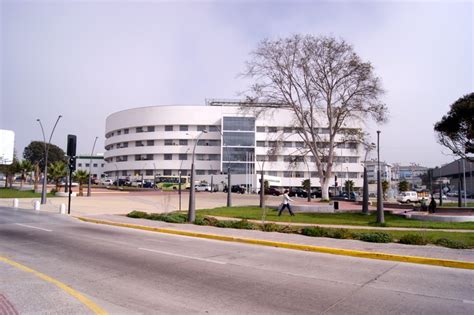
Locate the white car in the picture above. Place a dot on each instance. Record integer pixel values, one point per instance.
(408, 196)
(202, 187)
(107, 182)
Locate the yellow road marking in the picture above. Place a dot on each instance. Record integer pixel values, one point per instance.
(91, 305)
(309, 248)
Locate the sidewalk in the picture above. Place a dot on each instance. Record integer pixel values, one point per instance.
(427, 251)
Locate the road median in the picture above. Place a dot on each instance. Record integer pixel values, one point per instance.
(294, 246)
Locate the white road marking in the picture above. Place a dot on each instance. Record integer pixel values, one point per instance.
(184, 256)
(34, 227)
(468, 301)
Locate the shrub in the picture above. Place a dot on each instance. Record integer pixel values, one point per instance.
(340, 233)
(172, 217)
(243, 224)
(224, 224)
(288, 229)
(413, 239)
(315, 231)
(375, 237)
(138, 215)
(450, 243)
(270, 227)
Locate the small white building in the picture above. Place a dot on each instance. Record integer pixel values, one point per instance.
(385, 171)
(95, 164)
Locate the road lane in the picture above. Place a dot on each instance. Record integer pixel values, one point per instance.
(177, 274)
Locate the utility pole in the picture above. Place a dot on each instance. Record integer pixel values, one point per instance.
(90, 169)
(380, 214)
(229, 198)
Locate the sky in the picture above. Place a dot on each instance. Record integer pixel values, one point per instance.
(87, 60)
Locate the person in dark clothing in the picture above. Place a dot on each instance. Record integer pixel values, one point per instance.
(286, 203)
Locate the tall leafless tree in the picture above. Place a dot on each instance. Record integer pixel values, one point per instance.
(324, 85)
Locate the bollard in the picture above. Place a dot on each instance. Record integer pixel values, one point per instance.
(62, 208)
(15, 203)
(37, 205)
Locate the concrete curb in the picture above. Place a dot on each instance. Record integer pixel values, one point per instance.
(310, 248)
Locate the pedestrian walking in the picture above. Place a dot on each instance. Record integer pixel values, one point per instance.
(286, 203)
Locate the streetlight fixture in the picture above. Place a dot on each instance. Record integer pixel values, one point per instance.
(46, 151)
(365, 196)
(192, 200)
(380, 214)
(90, 168)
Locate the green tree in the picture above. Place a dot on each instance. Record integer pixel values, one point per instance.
(24, 168)
(34, 153)
(56, 172)
(456, 129)
(403, 186)
(323, 83)
(307, 186)
(81, 177)
(9, 171)
(385, 186)
(349, 186)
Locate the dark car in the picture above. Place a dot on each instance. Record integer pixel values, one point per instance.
(272, 191)
(300, 192)
(346, 196)
(235, 189)
(122, 182)
(147, 184)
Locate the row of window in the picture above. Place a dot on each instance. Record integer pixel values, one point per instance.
(93, 165)
(125, 131)
(166, 157)
(301, 144)
(293, 130)
(167, 142)
(288, 174)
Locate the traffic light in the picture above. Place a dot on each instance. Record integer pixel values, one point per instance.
(71, 145)
(72, 163)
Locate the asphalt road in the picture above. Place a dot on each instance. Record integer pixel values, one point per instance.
(129, 271)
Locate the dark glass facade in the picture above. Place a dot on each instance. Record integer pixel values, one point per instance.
(238, 147)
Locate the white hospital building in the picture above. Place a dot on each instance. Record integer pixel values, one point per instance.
(159, 140)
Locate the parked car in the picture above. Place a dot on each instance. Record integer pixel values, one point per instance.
(235, 189)
(300, 192)
(436, 196)
(345, 196)
(407, 197)
(271, 191)
(122, 182)
(202, 187)
(107, 181)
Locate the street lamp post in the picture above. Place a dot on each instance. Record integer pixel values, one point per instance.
(229, 196)
(192, 201)
(365, 196)
(90, 169)
(380, 214)
(46, 151)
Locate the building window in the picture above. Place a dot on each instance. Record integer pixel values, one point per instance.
(119, 132)
(79, 164)
(214, 157)
(287, 144)
(200, 172)
(168, 128)
(212, 172)
(237, 154)
(200, 157)
(124, 173)
(151, 128)
(87, 164)
(201, 128)
(139, 129)
(125, 131)
(213, 128)
(260, 143)
(168, 142)
(299, 174)
(288, 130)
(168, 156)
(150, 142)
(139, 143)
(183, 141)
(94, 165)
(287, 174)
(167, 172)
(211, 143)
(123, 145)
(149, 172)
(314, 174)
(239, 139)
(239, 123)
(272, 129)
(102, 165)
(183, 128)
(299, 144)
(184, 173)
(183, 157)
(260, 129)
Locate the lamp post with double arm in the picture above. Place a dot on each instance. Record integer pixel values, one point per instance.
(46, 151)
(192, 200)
(90, 169)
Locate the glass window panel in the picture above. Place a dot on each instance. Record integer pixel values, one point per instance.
(151, 128)
(237, 168)
(150, 142)
(213, 128)
(260, 143)
(168, 156)
(183, 128)
(260, 129)
(168, 142)
(236, 154)
(239, 139)
(168, 128)
(183, 157)
(239, 123)
(183, 141)
(287, 144)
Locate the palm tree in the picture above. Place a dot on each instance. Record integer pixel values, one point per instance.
(56, 172)
(81, 177)
(25, 167)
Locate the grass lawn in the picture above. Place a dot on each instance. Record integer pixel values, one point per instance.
(455, 204)
(14, 193)
(255, 213)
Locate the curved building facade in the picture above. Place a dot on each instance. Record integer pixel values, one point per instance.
(159, 140)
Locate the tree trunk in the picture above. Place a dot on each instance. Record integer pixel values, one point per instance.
(80, 189)
(325, 190)
(35, 185)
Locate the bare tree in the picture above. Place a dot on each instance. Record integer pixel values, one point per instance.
(323, 84)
